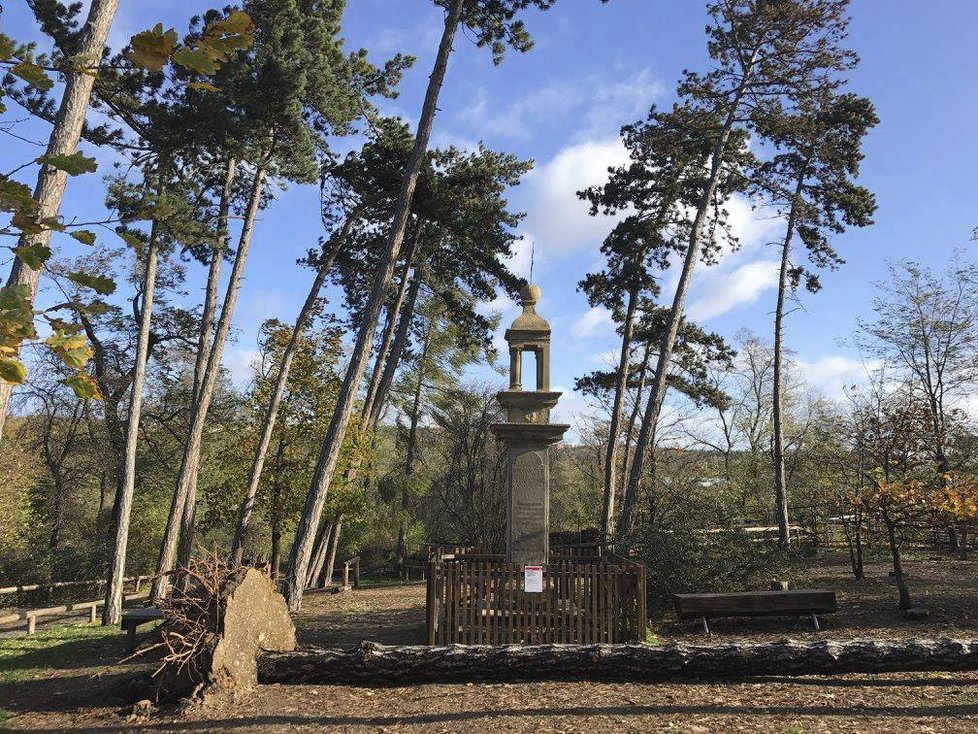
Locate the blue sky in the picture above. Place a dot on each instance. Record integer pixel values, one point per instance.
(594, 68)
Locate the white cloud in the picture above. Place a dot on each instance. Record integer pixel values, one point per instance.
(558, 220)
(720, 292)
(832, 373)
(596, 321)
(596, 104)
(240, 364)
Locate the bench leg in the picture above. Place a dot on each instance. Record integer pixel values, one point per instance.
(815, 622)
(91, 614)
(706, 626)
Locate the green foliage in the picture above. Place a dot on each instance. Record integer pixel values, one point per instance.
(33, 75)
(101, 284)
(74, 164)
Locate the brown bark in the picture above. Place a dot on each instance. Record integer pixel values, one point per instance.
(780, 484)
(396, 351)
(384, 351)
(621, 388)
(65, 134)
(412, 448)
(180, 524)
(112, 611)
(410, 664)
(899, 576)
(278, 391)
(319, 558)
(326, 578)
(326, 466)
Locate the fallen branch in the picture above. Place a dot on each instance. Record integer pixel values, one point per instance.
(394, 664)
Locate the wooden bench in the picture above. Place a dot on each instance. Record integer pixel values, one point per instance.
(137, 617)
(808, 602)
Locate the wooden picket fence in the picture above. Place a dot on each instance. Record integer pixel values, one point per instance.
(481, 601)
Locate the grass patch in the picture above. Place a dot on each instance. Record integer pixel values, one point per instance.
(57, 648)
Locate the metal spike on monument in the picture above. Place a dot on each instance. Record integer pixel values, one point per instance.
(528, 435)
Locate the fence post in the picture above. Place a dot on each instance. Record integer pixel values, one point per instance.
(356, 572)
(346, 575)
(91, 614)
(31, 623)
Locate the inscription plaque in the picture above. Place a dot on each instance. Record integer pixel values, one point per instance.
(528, 507)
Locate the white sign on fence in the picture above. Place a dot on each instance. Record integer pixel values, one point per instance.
(533, 579)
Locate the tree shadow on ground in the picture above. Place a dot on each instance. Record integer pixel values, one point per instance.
(475, 717)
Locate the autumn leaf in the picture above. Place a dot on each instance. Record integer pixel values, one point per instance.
(74, 164)
(153, 48)
(72, 349)
(34, 256)
(204, 86)
(130, 239)
(196, 59)
(98, 283)
(84, 386)
(15, 196)
(33, 75)
(84, 236)
(12, 371)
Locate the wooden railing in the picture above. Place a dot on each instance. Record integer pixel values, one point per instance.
(483, 602)
(31, 615)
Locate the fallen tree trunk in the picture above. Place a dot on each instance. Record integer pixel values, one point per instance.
(373, 663)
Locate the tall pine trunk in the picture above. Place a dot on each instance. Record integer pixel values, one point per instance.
(65, 134)
(112, 611)
(326, 466)
(780, 483)
(275, 510)
(278, 391)
(621, 388)
(326, 578)
(384, 351)
(396, 351)
(180, 523)
(412, 448)
(657, 391)
(319, 557)
(633, 418)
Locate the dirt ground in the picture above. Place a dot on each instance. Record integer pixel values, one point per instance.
(78, 692)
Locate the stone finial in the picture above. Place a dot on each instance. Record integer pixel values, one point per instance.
(529, 324)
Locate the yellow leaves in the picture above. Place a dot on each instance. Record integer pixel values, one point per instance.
(84, 386)
(12, 371)
(86, 237)
(72, 349)
(153, 48)
(16, 324)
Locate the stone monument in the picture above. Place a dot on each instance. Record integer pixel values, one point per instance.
(528, 435)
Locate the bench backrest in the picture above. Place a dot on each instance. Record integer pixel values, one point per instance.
(755, 603)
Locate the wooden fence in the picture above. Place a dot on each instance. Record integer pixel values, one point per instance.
(91, 607)
(481, 601)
